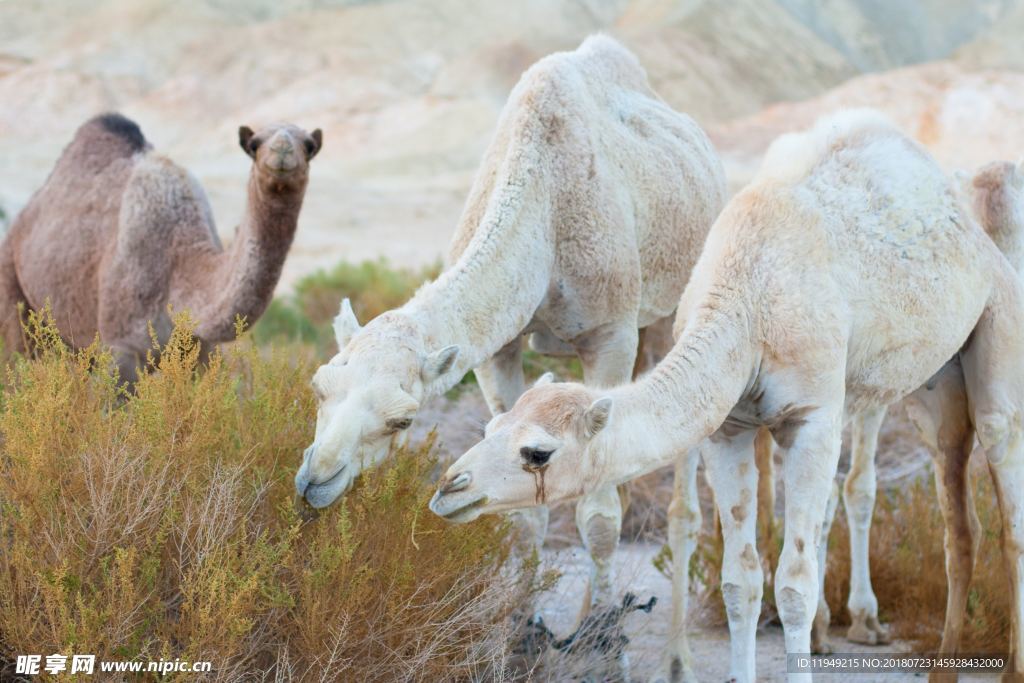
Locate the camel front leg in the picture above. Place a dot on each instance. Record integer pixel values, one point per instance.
(809, 469)
(859, 500)
(684, 520)
(733, 476)
(941, 415)
(501, 378)
(607, 355)
(502, 382)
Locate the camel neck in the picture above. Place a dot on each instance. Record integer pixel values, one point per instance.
(681, 402)
(248, 271)
(490, 294)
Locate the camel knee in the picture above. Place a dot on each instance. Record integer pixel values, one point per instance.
(599, 520)
(601, 536)
(684, 520)
(796, 585)
(742, 602)
(859, 499)
(993, 431)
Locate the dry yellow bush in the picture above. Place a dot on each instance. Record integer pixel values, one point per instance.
(162, 525)
(908, 570)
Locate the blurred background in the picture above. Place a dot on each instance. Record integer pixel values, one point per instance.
(408, 91)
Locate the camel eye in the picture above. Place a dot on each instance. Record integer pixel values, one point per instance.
(310, 146)
(399, 424)
(534, 456)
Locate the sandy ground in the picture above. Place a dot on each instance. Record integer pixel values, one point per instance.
(709, 645)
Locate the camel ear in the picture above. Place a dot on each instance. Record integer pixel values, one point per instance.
(246, 142)
(439, 363)
(546, 378)
(312, 149)
(596, 417)
(345, 324)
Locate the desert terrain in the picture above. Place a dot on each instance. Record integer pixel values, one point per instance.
(408, 92)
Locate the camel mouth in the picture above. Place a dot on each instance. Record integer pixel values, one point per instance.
(282, 172)
(322, 493)
(464, 513)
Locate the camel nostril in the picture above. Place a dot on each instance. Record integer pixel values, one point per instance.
(460, 482)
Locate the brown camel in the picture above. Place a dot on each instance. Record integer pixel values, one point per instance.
(118, 234)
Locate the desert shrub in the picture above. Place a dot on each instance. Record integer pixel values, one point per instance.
(161, 525)
(372, 286)
(908, 569)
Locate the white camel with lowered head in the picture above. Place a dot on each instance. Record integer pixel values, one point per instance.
(786, 324)
(581, 228)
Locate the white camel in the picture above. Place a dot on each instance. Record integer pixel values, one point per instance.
(787, 323)
(581, 228)
(939, 410)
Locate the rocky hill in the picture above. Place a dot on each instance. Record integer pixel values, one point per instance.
(408, 91)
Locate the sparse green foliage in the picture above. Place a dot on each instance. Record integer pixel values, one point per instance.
(373, 287)
(162, 525)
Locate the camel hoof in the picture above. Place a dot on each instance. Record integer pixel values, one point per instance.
(869, 632)
(822, 647)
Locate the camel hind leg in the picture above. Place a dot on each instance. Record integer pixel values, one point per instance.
(859, 499)
(608, 355)
(941, 415)
(994, 376)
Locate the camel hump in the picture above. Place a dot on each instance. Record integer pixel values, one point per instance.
(122, 128)
(105, 138)
(791, 157)
(597, 70)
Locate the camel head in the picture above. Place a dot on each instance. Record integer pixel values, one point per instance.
(997, 195)
(368, 395)
(281, 154)
(536, 453)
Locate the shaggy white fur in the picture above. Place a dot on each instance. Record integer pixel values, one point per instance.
(786, 324)
(940, 412)
(582, 226)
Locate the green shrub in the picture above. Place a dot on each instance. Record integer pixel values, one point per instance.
(162, 524)
(305, 315)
